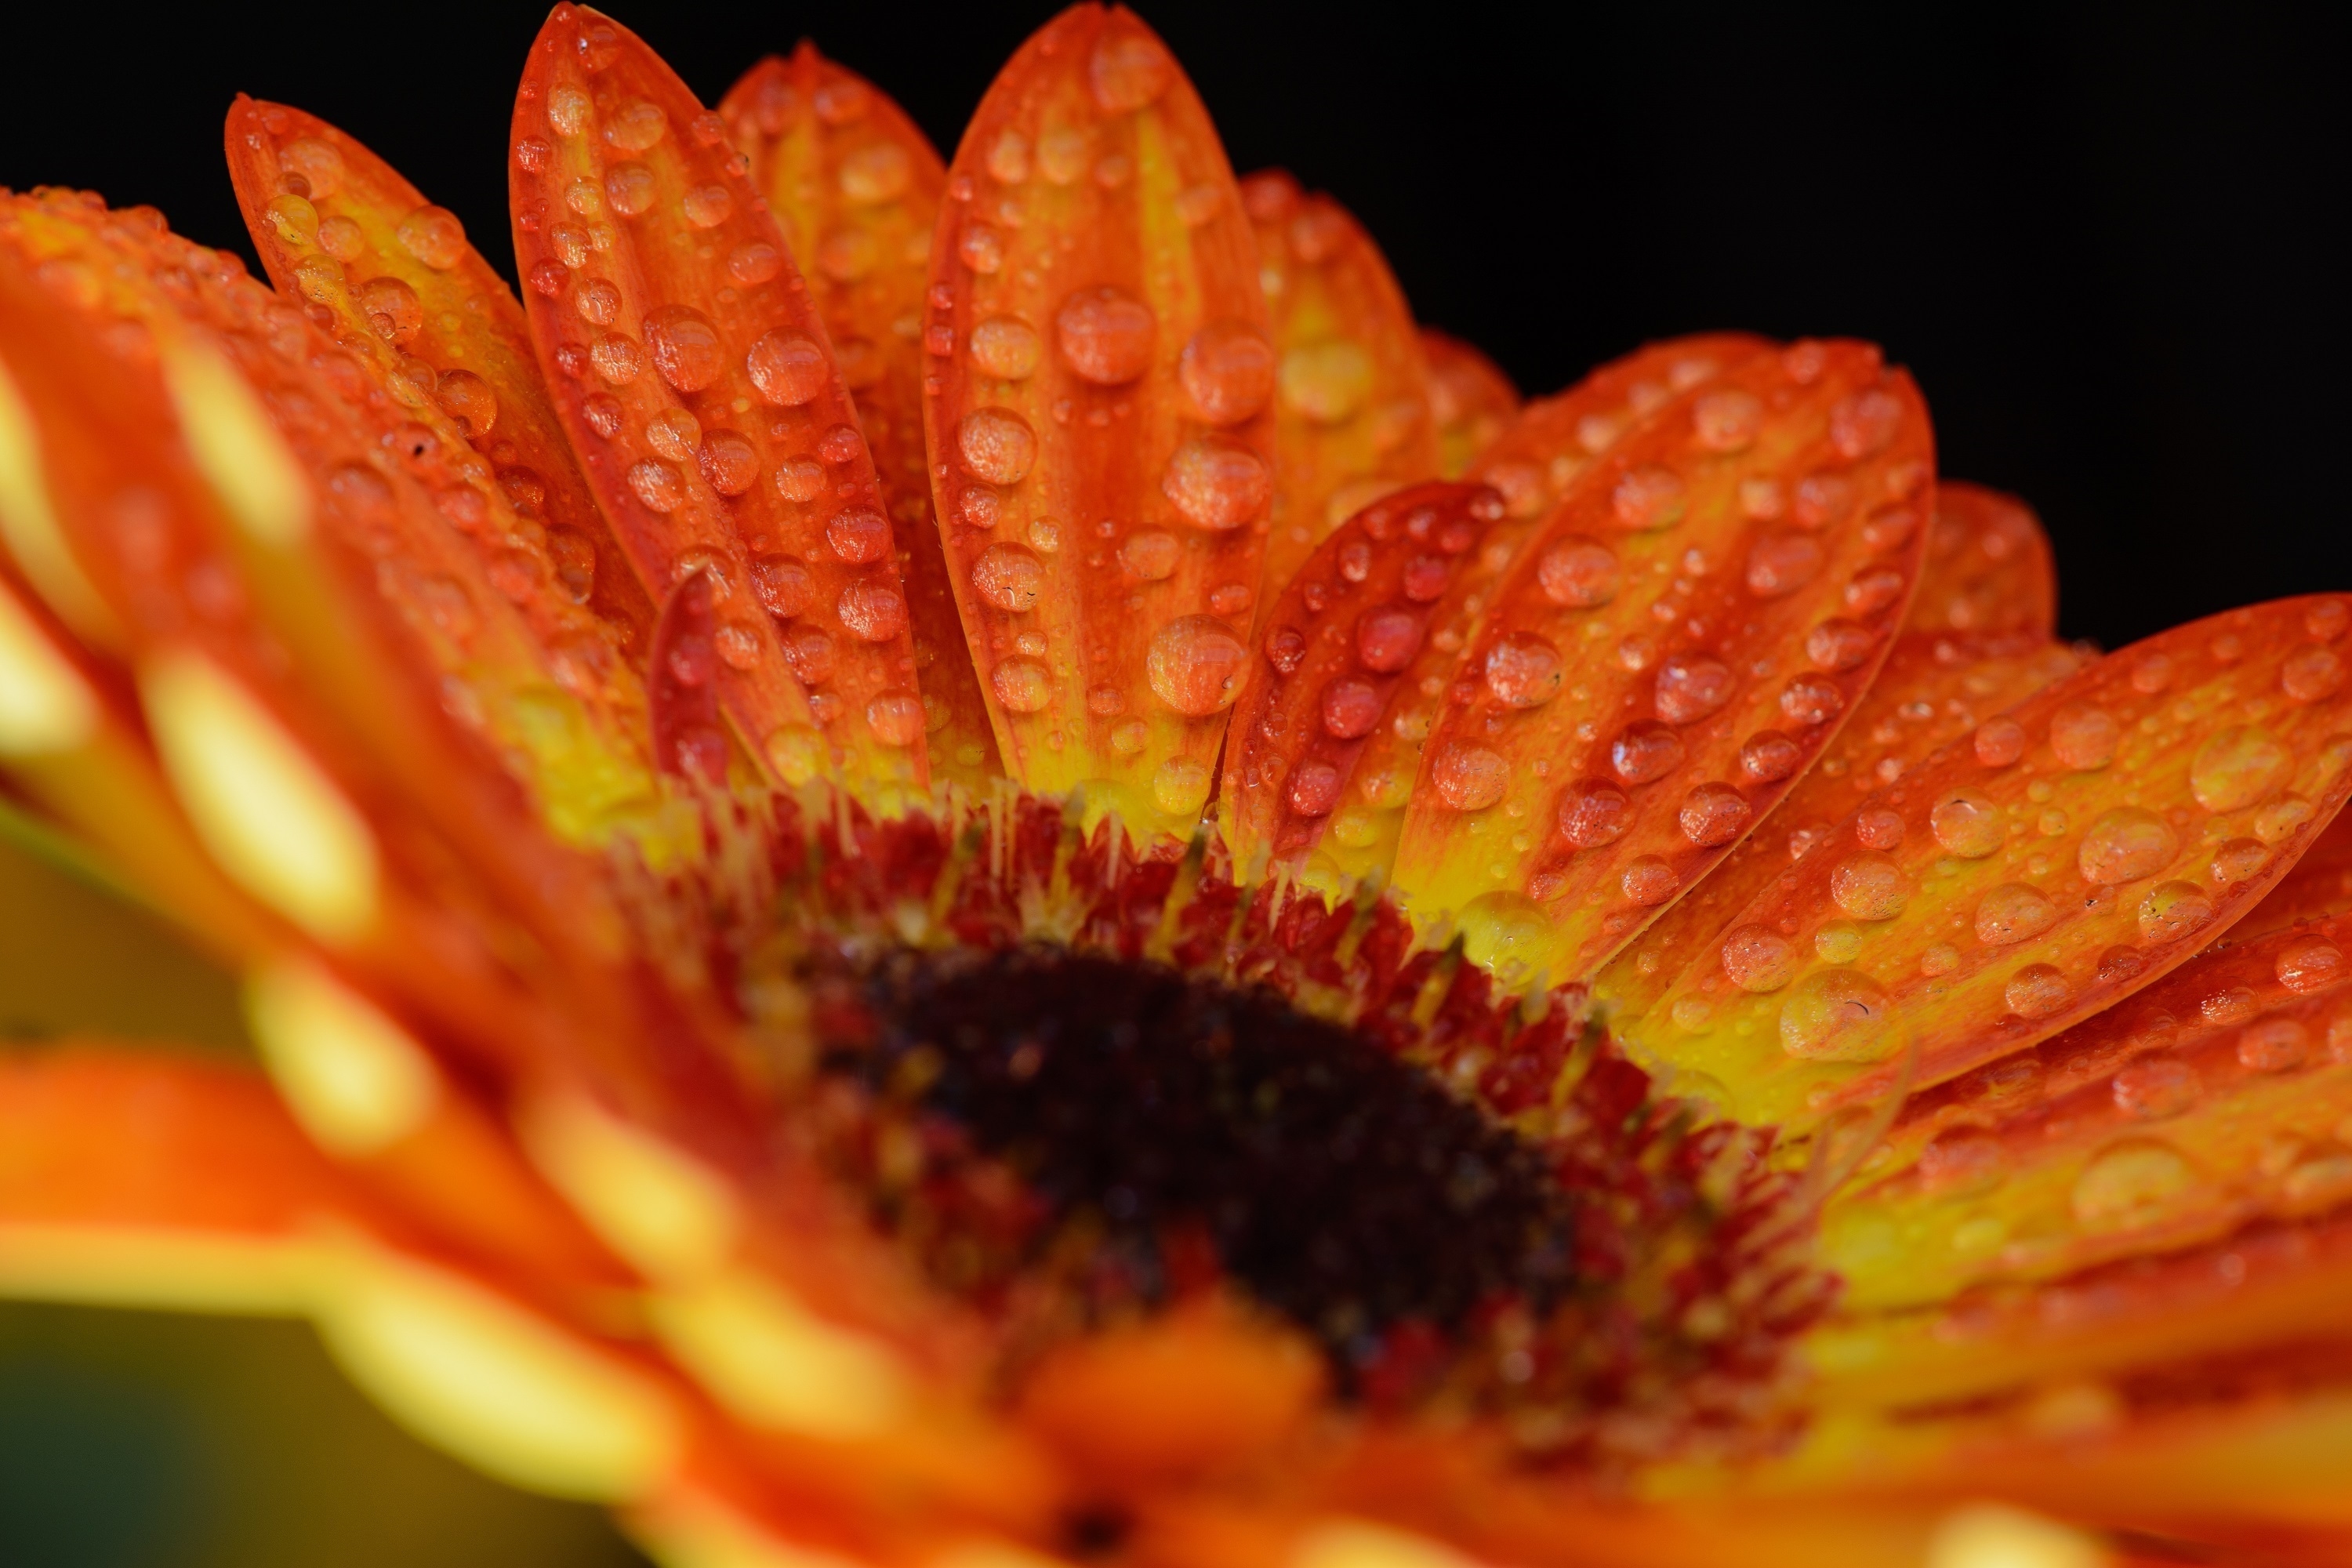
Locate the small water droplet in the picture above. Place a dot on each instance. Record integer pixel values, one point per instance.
(2037, 991)
(1870, 887)
(1648, 499)
(1713, 815)
(1839, 644)
(618, 358)
(897, 718)
(1150, 553)
(1645, 751)
(1782, 562)
(1351, 708)
(467, 399)
(1022, 685)
(631, 188)
(1592, 812)
(1647, 880)
(996, 445)
(800, 480)
(859, 535)
(873, 611)
(2084, 737)
(1008, 158)
(658, 485)
(787, 368)
(1690, 685)
(797, 753)
(434, 236)
(1769, 756)
(1758, 959)
(2309, 963)
(2274, 1044)
(1865, 424)
(2172, 911)
(2312, 674)
(1388, 638)
(1326, 382)
(1228, 371)
(2013, 912)
(730, 462)
(1315, 789)
(708, 207)
(1839, 1015)
(1727, 420)
(1127, 69)
(1524, 670)
(1999, 743)
(686, 347)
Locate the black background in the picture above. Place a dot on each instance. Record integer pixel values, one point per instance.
(2102, 240)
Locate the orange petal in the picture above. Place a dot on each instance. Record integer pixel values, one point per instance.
(1352, 415)
(1337, 644)
(699, 387)
(1989, 567)
(1098, 415)
(1470, 399)
(857, 187)
(1539, 456)
(2074, 849)
(1686, 632)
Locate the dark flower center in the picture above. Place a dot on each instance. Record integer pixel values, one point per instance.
(1163, 1130)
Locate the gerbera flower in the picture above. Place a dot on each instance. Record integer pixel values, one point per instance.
(966, 864)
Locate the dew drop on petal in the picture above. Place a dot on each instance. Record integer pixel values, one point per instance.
(1196, 664)
(617, 357)
(1577, 574)
(1594, 812)
(1469, 777)
(1870, 887)
(1812, 699)
(875, 612)
(1228, 371)
(1839, 1015)
(656, 485)
(1727, 420)
(1782, 562)
(434, 236)
(787, 368)
(1967, 823)
(1999, 741)
(1769, 756)
(1388, 638)
(1022, 685)
(1217, 484)
(859, 535)
(2238, 767)
(1151, 553)
(1315, 789)
(1105, 335)
(2154, 1088)
(1713, 815)
(708, 207)
(2084, 737)
(730, 462)
(1350, 708)
(1326, 382)
(2013, 912)
(2037, 991)
(1758, 959)
(631, 188)
(637, 125)
(1009, 576)
(1005, 347)
(996, 445)
(896, 718)
(1647, 880)
(800, 480)
(1645, 751)
(1181, 786)
(2124, 845)
(1524, 670)
(1690, 685)
(2309, 963)
(2172, 911)
(2130, 1185)
(1127, 69)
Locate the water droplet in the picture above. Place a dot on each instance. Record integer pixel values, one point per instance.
(875, 173)
(468, 398)
(1999, 741)
(2173, 910)
(859, 535)
(1758, 959)
(1196, 665)
(1812, 699)
(2130, 1185)
(604, 415)
(1046, 535)
(1326, 382)
(2037, 991)
(2124, 845)
(2238, 860)
(2309, 963)
(392, 310)
(675, 433)
(2274, 1044)
(1229, 599)
(809, 650)
(800, 480)
(318, 164)
(2013, 912)
(1960, 1162)
(1838, 941)
(2312, 674)
(1713, 815)
(1967, 823)
(295, 220)
(1022, 685)
(1009, 577)
(1005, 347)
(1388, 638)
(1228, 371)
(2238, 767)
(1592, 812)
(1181, 786)
(617, 358)
(2084, 737)
(1008, 158)
(1150, 553)
(797, 753)
(656, 485)
(1105, 335)
(1782, 562)
(873, 611)
(1064, 152)
(738, 644)
(1524, 670)
(2277, 822)
(1727, 420)
(753, 264)
(841, 444)
(1645, 498)
(708, 207)
(897, 718)
(686, 347)
(787, 368)
(1839, 1015)
(1351, 708)
(1870, 887)
(996, 445)
(1647, 880)
(1128, 69)
(1839, 644)
(636, 126)
(1645, 751)
(631, 188)
(1768, 756)
(1469, 777)
(1865, 424)
(730, 462)
(1690, 685)
(1315, 789)
(434, 236)
(1874, 589)
(1941, 958)
(1217, 484)
(598, 301)
(2155, 1086)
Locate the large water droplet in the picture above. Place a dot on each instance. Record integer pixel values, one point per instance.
(1351, 708)
(2037, 991)
(1839, 1015)
(1727, 420)
(2084, 737)
(1768, 756)
(2172, 911)
(787, 368)
(1196, 665)
(1690, 685)
(859, 535)
(2154, 1087)
(2238, 767)
(1150, 553)
(1469, 777)
(1105, 335)
(996, 445)
(636, 126)
(1005, 347)
(1315, 789)
(1577, 574)
(873, 611)
(1870, 886)
(1217, 483)
(2124, 845)
(1388, 638)
(1967, 823)
(2013, 912)
(686, 347)
(2130, 1185)
(1644, 750)
(1594, 812)
(1782, 562)
(1181, 786)
(1128, 69)
(1022, 685)
(631, 188)
(1524, 670)
(1713, 815)
(1758, 959)
(1010, 577)
(1228, 371)
(434, 236)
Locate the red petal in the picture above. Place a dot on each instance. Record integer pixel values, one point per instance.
(1098, 403)
(857, 187)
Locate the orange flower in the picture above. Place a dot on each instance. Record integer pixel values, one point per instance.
(970, 865)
